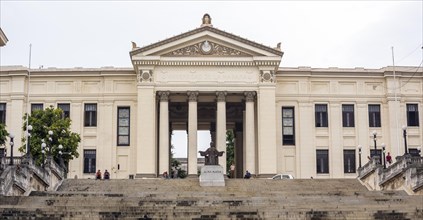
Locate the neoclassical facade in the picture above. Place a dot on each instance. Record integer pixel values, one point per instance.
(303, 121)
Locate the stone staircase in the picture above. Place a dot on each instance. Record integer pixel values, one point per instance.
(239, 199)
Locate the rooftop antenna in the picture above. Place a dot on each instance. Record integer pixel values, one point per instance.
(396, 101)
(27, 103)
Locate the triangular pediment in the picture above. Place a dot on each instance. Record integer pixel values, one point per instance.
(206, 41)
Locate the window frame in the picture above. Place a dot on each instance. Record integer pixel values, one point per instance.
(36, 107)
(321, 117)
(119, 126)
(349, 161)
(322, 161)
(288, 139)
(90, 116)
(90, 161)
(374, 116)
(348, 119)
(412, 115)
(66, 113)
(3, 111)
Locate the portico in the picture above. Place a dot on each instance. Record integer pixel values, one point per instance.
(206, 79)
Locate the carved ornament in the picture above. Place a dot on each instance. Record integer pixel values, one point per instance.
(164, 96)
(221, 96)
(192, 96)
(207, 48)
(145, 76)
(249, 96)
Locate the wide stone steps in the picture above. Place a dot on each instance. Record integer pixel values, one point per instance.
(239, 199)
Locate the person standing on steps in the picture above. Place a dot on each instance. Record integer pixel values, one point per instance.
(232, 170)
(98, 175)
(389, 158)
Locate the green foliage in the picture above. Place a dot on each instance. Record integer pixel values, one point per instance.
(175, 164)
(230, 149)
(3, 134)
(46, 120)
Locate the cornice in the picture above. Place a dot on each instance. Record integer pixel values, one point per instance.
(206, 63)
(211, 29)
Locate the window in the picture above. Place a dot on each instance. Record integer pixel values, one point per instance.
(36, 107)
(412, 115)
(90, 115)
(374, 116)
(65, 108)
(348, 115)
(414, 152)
(123, 126)
(89, 161)
(349, 161)
(376, 153)
(288, 128)
(3, 113)
(322, 161)
(321, 111)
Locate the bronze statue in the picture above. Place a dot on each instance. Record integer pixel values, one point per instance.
(211, 155)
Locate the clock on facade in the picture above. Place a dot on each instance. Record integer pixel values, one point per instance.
(206, 47)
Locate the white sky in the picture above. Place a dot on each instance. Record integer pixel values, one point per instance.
(312, 33)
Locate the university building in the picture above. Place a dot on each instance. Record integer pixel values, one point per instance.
(308, 122)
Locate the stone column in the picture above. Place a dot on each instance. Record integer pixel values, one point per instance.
(221, 127)
(239, 137)
(164, 132)
(192, 133)
(250, 137)
(336, 145)
(146, 151)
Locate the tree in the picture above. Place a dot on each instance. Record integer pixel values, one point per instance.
(230, 149)
(50, 119)
(3, 134)
(175, 165)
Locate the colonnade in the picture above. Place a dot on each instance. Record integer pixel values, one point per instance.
(249, 137)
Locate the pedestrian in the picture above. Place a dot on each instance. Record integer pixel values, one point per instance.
(106, 175)
(247, 175)
(98, 175)
(165, 175)
(389, 158)
(232, 170)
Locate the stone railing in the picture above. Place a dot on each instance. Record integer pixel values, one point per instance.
(24, 177)
(405, 174)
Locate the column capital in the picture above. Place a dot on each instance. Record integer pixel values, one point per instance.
(221, 96)
(192, 96)
(164, 96)
(249, 96)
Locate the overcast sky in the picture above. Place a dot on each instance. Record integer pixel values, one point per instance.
(312, 33)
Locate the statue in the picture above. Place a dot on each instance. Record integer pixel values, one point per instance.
(211, 155)
(206, 20)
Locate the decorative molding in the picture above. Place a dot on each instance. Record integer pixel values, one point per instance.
(207, 48)
(192, 96)
(267, 76)
(221, 96)
(145, 76)
(213, 30)
(250, 96)
(163, 95)
(207, 63)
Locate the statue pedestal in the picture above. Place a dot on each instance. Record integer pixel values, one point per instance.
(212, 175)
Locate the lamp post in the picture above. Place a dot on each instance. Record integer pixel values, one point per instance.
(359, 156)
(374, 139)
(11, 148)
(43, 151)
(383, 152)
(404, 134)
(28, 133)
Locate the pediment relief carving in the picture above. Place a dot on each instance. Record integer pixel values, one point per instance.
(206, 48)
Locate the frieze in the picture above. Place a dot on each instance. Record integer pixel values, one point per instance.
(206, 75)
(207, 48)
